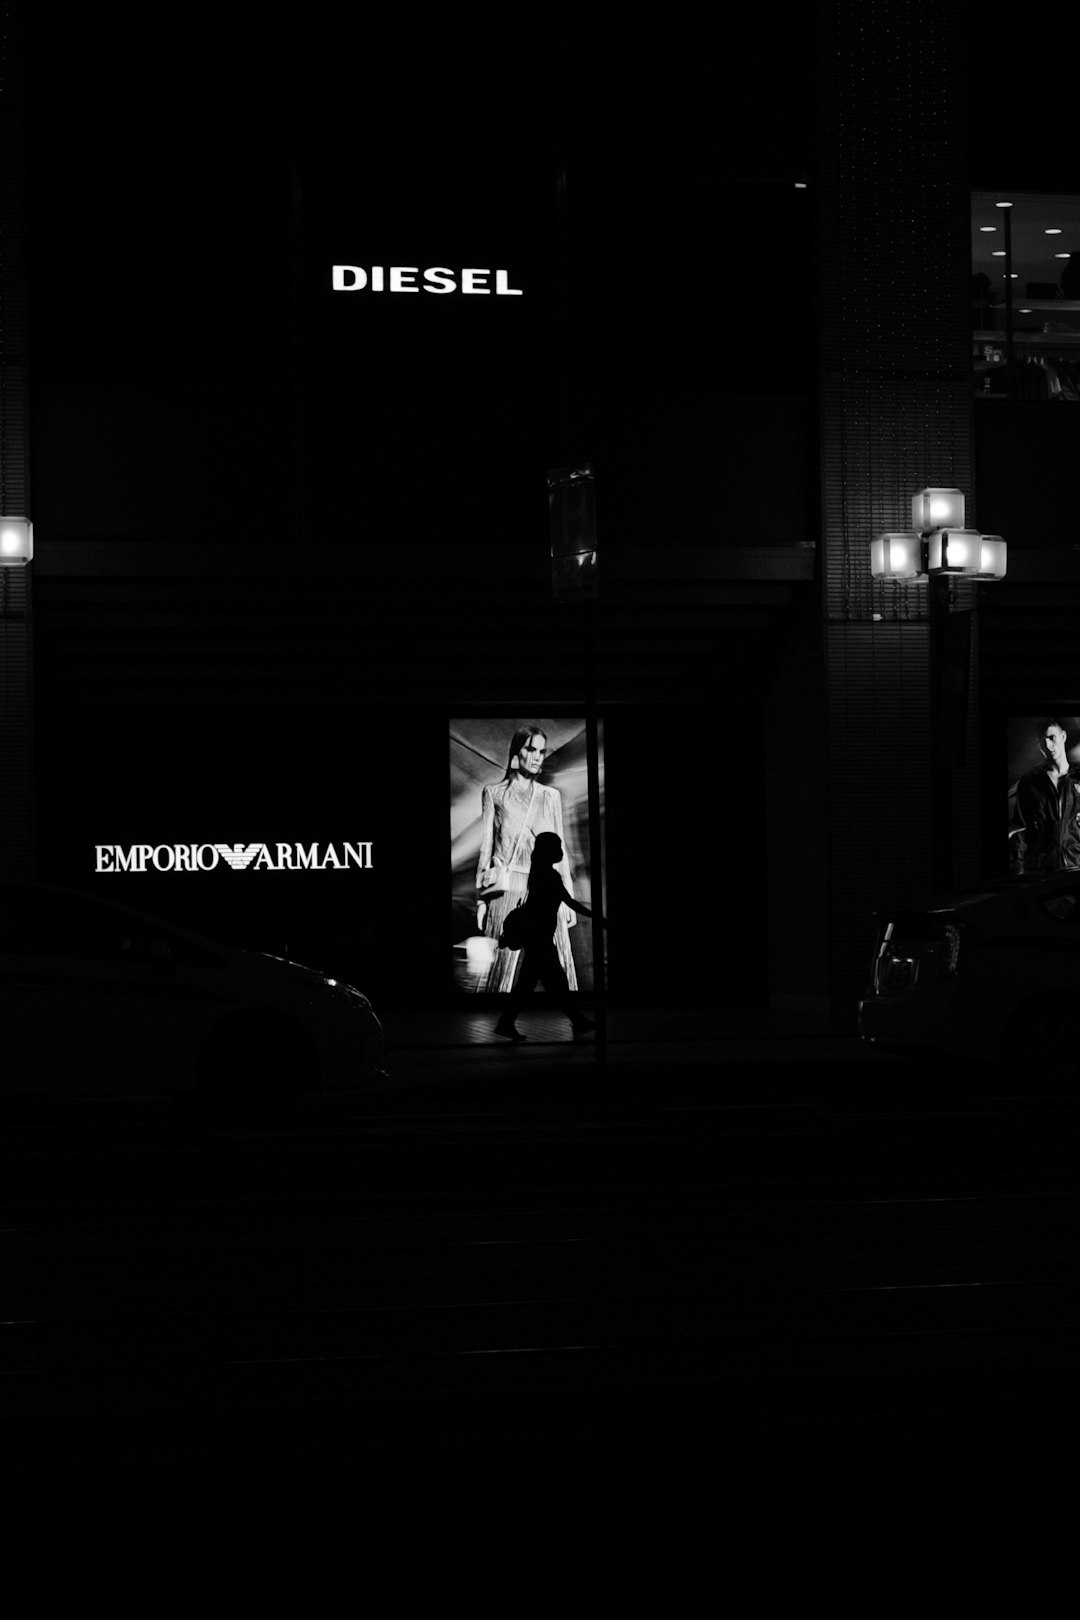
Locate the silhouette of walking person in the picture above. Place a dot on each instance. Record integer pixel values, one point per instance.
(539, 963)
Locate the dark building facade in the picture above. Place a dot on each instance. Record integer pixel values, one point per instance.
(291, 520)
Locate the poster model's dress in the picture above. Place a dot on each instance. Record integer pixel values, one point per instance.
(509, 827)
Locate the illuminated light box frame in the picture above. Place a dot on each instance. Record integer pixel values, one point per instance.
(1023, 755)
(479, 760)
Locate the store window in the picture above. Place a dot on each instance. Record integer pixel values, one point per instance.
(1025, 264)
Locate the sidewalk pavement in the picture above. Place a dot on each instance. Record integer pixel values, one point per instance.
(462, 1043)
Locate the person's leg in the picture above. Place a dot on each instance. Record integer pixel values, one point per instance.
(524, 984)
(552, 976)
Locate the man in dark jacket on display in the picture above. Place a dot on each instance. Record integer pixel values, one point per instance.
(1048, 805)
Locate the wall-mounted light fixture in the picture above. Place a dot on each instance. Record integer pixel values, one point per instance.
(937, 544)
(16, 542)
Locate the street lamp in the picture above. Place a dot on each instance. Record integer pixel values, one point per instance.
(938, 546)
(16, 542)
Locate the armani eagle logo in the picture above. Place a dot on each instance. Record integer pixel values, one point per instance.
(238, 856)
(317, 857)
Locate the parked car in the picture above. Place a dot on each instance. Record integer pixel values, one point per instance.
(99, 999)
(989, 974)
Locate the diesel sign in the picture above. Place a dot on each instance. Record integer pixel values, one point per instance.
(402, 278)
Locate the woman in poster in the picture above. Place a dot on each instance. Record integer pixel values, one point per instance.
(514, 811)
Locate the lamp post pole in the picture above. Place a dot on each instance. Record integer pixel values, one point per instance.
(592, 747)
(938, 613)
(17, 835)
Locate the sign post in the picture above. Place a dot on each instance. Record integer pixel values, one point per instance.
(572, 514)
(572, 510)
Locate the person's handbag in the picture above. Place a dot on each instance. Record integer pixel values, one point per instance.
(512, 937)
(496, 875)
(494, 882)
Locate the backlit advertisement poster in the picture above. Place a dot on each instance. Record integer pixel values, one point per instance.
(1044, 792)
(510, 781)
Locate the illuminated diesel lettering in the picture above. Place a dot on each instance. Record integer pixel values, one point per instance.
(440, 280)
(436, 278)
(349, 278)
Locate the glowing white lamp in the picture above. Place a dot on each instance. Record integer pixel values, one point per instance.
(896, 556)
(940, 544)
(937, 509)
(991, 557)
(954, 551)
(16, 542)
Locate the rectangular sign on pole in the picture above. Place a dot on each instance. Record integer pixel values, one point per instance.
(572, 512)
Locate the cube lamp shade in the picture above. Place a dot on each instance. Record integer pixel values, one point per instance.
(896, 556)
(16, 542)
(991, 557)
(937, 509)
(954, 551)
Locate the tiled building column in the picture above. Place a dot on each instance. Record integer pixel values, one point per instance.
(16, 596)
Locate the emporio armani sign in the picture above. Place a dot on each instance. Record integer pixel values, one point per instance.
(240, 857)
(402, 278)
